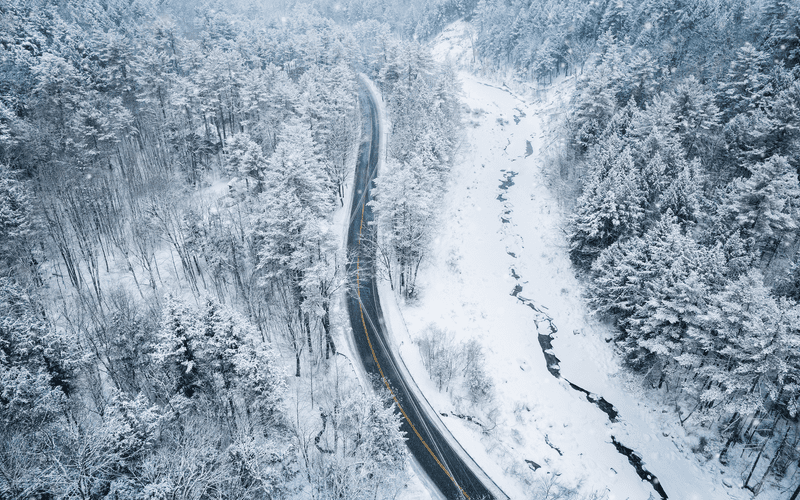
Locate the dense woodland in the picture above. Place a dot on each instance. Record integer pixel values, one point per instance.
(683, 136)
(169, 265)
(170, 269)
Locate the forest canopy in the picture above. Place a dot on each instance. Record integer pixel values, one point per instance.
(169, 267)
(169, 263)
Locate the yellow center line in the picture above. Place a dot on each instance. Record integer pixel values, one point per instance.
(374, 357)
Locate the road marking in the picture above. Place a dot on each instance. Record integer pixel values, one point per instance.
(375, 357)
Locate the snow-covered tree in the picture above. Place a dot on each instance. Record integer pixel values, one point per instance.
(246, 159)
(765, 205)
(748, 84)
(611, 207)
(293, 234)
(405, 208)
(697, 116)
(684, 194)
(176, 350)
(18, 226)
(367, 453)
(746, 319)
(594, 105)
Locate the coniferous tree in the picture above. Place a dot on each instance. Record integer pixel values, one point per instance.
(610, 209)
(245, 158)
(765, 205)
(404, 208)
(697, 116)
(744, 318)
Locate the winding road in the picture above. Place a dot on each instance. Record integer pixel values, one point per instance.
(444, 467)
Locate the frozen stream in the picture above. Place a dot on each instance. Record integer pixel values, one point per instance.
(553, 363)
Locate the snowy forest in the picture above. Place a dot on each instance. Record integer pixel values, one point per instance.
(679, 153)
(169, 175)
(174, 175)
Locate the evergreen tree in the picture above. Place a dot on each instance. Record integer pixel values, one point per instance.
(611, 208)
(746, 320)
(368, 448)
(18, 227)
(765, 205)
(245, 158)
(748, 84)
(683, 196)
(593, 106)
(697, 116)
(405, 206)
(292, 231)
(778, 25)
(615, 17)
(175, 350)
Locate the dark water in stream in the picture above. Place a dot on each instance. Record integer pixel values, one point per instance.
(553, 366)
(553, 363)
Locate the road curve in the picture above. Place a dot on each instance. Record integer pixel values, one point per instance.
(443, 465)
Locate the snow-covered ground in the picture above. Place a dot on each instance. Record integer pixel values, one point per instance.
(492, 239)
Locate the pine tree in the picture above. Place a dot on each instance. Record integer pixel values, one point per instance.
(292, 231)
(745, 317)
(654, 178)
(59, 84)
(18, 228)
(783, 116)
(697, 116)
(611, 208)
(765, 205)
(592, 107)
(260, 379)
(405, 206)
(631, 279)
(683, 196)
(176, 351)
(368, 447)
(778, 24)
(329, 105)
(245, 158)
(748, 84)
(35, 364)
(638, 82)
(617, 287)
(739, 255)
(295, 168)
(615, 17)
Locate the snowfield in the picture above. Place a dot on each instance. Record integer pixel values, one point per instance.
(502, 229)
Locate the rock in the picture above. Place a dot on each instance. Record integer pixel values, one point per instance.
(533, 465)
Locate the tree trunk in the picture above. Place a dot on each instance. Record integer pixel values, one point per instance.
(330, 347)
(307, 328)
(778, 452)
(796, 493)
(752, 469)
(723, 455)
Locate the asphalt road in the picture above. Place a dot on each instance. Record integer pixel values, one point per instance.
(444, 467)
